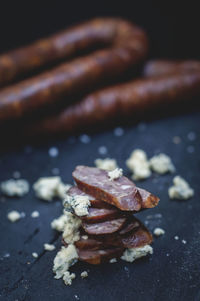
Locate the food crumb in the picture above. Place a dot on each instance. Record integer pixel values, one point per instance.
(49, 247)
(176, 140)
(184, 241)
(115, 174)
(16, 174)
(14, 188)
(190, 149)
(84, 274)
(35, 214)
(118, 131)
(176, 237)
(7, 255)
(181, 189)
(113, 260)
(102, 150)
(55, 171)
(191, 136)
(76, 297)
(14, 216)
(35, 255)
(53, 152)
(158, 231)
(106, 164)
(85, 139)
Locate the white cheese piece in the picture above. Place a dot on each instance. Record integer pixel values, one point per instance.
(106, 164)
(134, 253)
(158, 231)
(65, 258)
(139, 165)
(59, 223)
(71, 228)
(13, 187)
(113, 260)
(181, 189)
(35, 255)
(49, 247)
(115, 174)
(77, 203)
(14, 216)
(35, 214)
(161, 164)
(84, 237)
(84, 274)
(50, 187)
(184, 241)
(67, 278)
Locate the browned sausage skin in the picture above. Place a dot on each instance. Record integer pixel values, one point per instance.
(112, 32)
(127, 45)
(124, 100)
(166, 67)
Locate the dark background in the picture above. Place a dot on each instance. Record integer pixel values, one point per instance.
(173, 26)
(172, 273)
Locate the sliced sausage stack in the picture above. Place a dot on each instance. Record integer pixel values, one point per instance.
(110, 227)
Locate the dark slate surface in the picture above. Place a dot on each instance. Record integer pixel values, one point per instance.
(172, 273)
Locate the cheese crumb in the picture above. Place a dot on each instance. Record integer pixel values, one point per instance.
(35, 255)
(77, 203)
(113, 260)
(158, 231)
(161, 164)
(13, 187)
(134, 253)
(84, 237)
(176, 237)
(139, 165)
(84, 274)
(184, 241)
(59, 223)
(71, 228)
(35, 214)
(65, 258)
(181, 189)
(49, 188)
(67, 278)
(115, 174)
(106, 164)
(49, 247)
(14, 216)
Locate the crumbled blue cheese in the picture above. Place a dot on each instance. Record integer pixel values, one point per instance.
(115, 174)
(181, 189)
(65, 258)
(58, 224)
(71, 228)
(113, 260)
(106, 164)
(84, 237)
(13, 187)
(50, 187)
(35, 255)
(84, 274)
(67, 278)
(162, 164)
(49, 247)
(139, 165)
(77, 203)
(35, 214)
(158, 231)
(14, 216)
(134, 253)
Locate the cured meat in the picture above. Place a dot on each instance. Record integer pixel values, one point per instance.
(166, 67)
(94, 202)
(127, 47)
(129, 100)
(96, 215)
(132, 223)
(121, 192)
(148, 199)
(99, 256)
(89, 244)
(106, 227)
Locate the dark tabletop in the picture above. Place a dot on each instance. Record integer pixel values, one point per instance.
(171, 273)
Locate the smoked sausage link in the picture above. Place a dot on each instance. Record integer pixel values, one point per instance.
(126, 46)
(124, 100)
(164, 67)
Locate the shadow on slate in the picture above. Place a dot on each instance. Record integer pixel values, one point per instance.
(171, 273)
